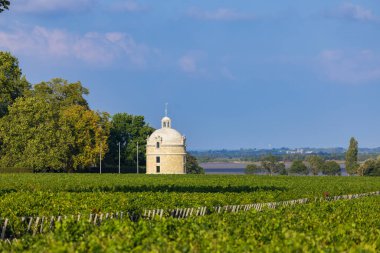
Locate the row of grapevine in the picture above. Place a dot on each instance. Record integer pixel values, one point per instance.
(327, 226)
(42, 224)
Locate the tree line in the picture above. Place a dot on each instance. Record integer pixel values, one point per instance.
(50, 127)
(315, 165)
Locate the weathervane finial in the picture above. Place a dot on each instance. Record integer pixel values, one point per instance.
(166, 109)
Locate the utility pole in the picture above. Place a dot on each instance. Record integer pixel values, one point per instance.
(137, 157)
(100, 157)
(119, 157)
(100, 149)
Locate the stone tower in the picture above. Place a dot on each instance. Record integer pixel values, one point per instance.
(166, 150)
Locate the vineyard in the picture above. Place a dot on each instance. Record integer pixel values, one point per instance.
(188, 213)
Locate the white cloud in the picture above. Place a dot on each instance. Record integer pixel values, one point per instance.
(221, 14)
(350, 67)
(42, 6)
(93, 47)
(188, 63)
(353, 12)
(193, 62)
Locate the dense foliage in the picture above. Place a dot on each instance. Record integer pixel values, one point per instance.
(331, 168)
(316, 164)
(51, 128)
(251, 168)
(72, 193)
(344, 226)
(12, 83)
(192, 165)
(321, 226)
(370, 167)
(127, 130)
(271, 164)
(352, 157)
(298, 167)
(4, 5)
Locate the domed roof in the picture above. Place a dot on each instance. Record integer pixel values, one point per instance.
(166, 135)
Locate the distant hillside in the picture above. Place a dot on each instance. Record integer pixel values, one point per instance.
(287, 154)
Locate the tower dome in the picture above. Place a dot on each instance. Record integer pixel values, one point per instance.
(166, 150)
(166, 122)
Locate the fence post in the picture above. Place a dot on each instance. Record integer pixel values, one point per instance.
(51, 222)
(36, 226)
(42, 224)
(30, 224)
(4, 229)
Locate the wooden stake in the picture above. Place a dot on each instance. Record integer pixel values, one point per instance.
(4, 229)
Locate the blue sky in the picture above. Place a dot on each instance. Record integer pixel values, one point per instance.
(236, 74)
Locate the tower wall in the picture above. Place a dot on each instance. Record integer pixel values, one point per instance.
(172, 159)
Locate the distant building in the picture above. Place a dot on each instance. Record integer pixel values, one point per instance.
(166, 150)
(299, 151)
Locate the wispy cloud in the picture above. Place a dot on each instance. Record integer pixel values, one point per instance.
(92, 47)
(191, 62)
(127, 6)
(350, 67)
(226, 72)
(188, 64)
(46, 6)
(221, 14)
(352, 12)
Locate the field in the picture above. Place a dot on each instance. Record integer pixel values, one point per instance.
(320, 225)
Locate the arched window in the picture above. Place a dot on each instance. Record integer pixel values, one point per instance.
(157, 145)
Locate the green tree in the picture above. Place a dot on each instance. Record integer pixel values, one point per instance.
(86, 133)
(331, 168)
(192, 166)
(48, 131)
(352, 157)
(370, 167)
(12, 83)
(270, 164)
(298, 167)
(61, 92)
(30, 138)
(316, 164)
(128, 130)
(282, 169)
(4, 5)
(251, 168)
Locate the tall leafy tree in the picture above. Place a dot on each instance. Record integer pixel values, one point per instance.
(251, 168)
(61, 92)
(4, 5)
(128, 130)
(352, 157)
(30, 137)
(52, 129)
(86, 133)
(316, 164)
(192, 166)
(370, 167)
(298, 167)
(12, 83)
(271, 164)
(331, 168)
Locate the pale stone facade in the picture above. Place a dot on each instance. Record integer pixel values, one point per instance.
(166, 150)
